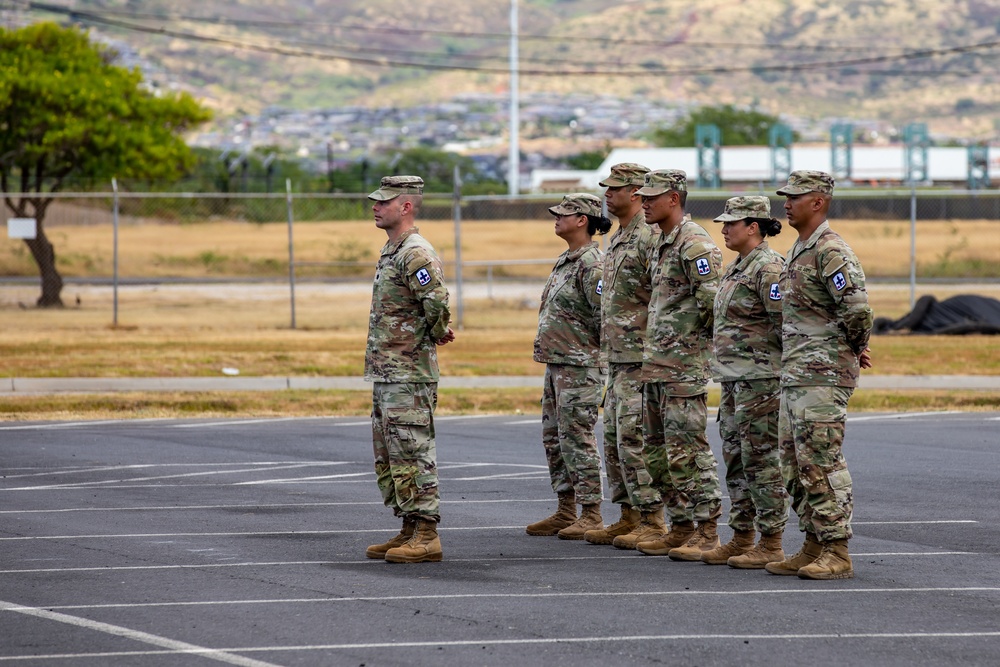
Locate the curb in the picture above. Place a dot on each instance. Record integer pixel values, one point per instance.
(88, 385)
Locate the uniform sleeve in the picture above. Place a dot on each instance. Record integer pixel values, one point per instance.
(845, 282)
(425, 278)
(769, 292)
(702, 264)
(591, 279)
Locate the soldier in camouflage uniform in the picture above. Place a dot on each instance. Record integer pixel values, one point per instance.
(624, 307)
(826, 324)
(686, 266)
(409, 318)
(747, 364)
(569, 344)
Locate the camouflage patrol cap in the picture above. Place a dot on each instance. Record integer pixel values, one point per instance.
(626, 173)
(803, 181)
(663, 180)
(393, 186)
(579, 203)
(741, 208)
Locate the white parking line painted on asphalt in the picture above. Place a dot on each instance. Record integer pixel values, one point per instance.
(300, 480)
(242, 422)
(903, 523)
(520, 642)
(176, 476)
(903, 415)
(617, 555)
(276, 533)
(537, 420)
(43, 427)
(533, 474)
(220, 655)
(252, 506)
(787, 592)
(73, 470)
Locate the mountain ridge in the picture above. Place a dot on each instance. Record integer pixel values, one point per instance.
(893, 60)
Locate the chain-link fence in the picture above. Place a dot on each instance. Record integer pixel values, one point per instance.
(306, 260)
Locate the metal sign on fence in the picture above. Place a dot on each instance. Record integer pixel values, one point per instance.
(22, 228)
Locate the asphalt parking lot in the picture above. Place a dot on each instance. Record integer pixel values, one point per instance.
(167, 542)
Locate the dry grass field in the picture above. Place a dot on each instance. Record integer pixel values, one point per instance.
(197, 328)
(217, 249)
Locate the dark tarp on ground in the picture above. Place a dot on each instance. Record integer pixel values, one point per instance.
(962, 314)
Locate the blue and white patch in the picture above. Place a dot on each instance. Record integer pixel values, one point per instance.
(775, 292)
(423, 276)
(839, 281)
(704, 268)
(600, 286)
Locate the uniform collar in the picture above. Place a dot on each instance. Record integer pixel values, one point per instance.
(672, 236)
(569, 256)
(390, 247)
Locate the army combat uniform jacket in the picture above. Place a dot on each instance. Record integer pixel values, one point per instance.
(748, 317)
(826, 319)
(686, 266)
(409, 312)
(569, 318)
(626, 291)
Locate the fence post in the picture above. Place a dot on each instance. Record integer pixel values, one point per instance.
(913, 245)
(291, 248)
(114, 282)
(457, 209)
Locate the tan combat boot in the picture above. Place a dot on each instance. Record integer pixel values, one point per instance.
(650, 527)
(741, 543)
(378, 550)
(768, 550)
(679, 534)
(706, 538)
(833, 563)
(809, 552)
(422, 547)
(590, 519)
(624, 525)
(564, 516)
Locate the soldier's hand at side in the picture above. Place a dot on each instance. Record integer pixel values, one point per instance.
(865, 358)
(448, 337)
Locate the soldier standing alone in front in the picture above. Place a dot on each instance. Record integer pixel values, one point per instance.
(826, 324)
(409, 318)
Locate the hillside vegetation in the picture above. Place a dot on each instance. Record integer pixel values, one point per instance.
(764, 52)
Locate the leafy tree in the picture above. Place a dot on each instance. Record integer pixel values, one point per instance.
(587, 159)
(67, 112)
(740, 127)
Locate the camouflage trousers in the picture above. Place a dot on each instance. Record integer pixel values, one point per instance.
(405, 456)
(628, 480)
(811, 435)
(677, 453)
(570, 399)
(748, 424)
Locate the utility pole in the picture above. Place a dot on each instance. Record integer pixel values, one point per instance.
(514, 157)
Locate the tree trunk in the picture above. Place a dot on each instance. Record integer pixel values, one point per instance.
(52, 282)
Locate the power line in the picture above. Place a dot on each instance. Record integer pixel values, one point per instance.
(409, 30)
(646, 71)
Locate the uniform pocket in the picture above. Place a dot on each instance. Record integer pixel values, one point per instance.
(581, 397)
(409, 416)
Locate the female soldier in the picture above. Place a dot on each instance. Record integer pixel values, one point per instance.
(747, 339)
(569, 343)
